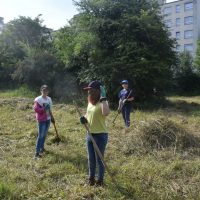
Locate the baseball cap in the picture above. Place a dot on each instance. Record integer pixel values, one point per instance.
(43, 87)
(93, 85)
(124, 82)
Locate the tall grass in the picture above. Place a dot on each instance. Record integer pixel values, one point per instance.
(7, 192)
(157, 159)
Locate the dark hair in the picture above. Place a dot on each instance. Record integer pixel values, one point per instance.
(43, 87)
(94, 96)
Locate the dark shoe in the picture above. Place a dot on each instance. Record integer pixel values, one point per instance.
(91, 181)
(43, 151)
(37, 155)
(99, 184)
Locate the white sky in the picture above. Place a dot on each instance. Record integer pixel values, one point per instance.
(170, 1)
(55, 13)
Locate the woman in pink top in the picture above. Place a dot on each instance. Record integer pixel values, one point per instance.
(42, 108)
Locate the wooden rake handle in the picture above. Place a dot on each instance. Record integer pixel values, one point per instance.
(97, 148)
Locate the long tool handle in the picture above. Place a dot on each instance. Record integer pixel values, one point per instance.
(54, 124)
(97, 148)
(115, 117)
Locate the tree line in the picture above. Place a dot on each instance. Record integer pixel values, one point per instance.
(108, 40)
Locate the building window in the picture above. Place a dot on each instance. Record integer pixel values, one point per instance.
(168, 23)
(188, 6)
(178, 48)
(188, 34)
(178, 21)
(188, 47)
(178, 8)
(188, 20)
(167, 10)
(178, 35)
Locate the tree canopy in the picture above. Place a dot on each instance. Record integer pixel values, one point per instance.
(115, 39)
(108, 40)
(27, 53)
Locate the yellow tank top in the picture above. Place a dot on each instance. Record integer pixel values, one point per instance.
(95, 119)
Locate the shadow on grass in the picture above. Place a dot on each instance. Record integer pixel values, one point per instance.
(188, 108)
(185, 107)
(78, 160)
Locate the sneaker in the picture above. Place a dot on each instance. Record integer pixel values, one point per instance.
(99, 184)
(37, 155)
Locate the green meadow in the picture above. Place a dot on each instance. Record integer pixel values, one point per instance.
(157, 159)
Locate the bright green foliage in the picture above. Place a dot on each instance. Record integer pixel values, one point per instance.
(115, 39)
(197, 59)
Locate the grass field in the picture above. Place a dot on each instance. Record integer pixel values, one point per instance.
(157, 159)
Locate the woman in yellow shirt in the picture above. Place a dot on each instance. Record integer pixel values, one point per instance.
(97, 110)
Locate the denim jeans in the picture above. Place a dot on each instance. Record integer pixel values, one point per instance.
(101, 140)
(43, 128)
(126, 111)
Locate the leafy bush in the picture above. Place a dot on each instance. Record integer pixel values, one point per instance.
(37, 68)
(187, 80)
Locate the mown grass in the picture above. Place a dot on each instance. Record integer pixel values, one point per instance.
(145, 165)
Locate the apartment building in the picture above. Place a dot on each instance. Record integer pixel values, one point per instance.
(182, 18)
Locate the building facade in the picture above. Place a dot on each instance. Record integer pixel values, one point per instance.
(161, 2)
(182, 18)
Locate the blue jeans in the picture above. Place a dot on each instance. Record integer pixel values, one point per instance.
(126, 111)
(101, 140)
(43, 128)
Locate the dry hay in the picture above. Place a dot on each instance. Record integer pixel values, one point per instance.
(158, 134)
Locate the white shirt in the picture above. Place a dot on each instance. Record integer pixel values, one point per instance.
(42, 101)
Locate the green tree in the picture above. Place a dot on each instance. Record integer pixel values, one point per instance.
(25, 31)
(20, 41)
(37, 68)
(186, 74)
(115, 39)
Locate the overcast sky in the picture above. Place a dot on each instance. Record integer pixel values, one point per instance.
(55, 13)
(170, 1)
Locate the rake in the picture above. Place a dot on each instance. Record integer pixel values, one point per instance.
(97, 149)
